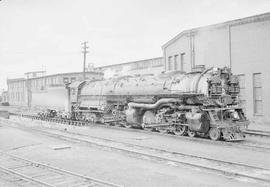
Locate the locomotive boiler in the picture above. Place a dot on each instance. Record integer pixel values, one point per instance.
(201, 102)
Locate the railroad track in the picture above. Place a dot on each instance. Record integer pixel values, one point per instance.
(24, 172)
(259, 133)
(15, 180)
(177, 159)
(242, 144)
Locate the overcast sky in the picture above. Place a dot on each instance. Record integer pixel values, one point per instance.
(38, 34)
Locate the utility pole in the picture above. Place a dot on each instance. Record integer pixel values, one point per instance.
(84, 48)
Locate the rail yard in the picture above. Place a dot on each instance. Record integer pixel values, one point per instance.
(233, 165)
(196, 115)
(189, 121)
(241, 163)
(176, 121)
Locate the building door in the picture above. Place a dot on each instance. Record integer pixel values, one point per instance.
(257, 94)
(182, 61)
(169, 63)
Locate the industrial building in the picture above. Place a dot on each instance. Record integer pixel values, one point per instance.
(36, 87)
(4, 98)
(29, 91)
(152, 66)
(241, 44)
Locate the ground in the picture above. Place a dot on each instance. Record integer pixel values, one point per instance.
(117, 167)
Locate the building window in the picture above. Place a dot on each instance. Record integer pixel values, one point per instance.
(242, 94)
(182, 61)
(65, 80)
(72, 79)
(170, 63)
(257, 94)
(176, 62)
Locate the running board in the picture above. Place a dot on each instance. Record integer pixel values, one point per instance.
(156, 125)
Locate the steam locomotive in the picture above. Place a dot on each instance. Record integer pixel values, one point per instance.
(203, 102)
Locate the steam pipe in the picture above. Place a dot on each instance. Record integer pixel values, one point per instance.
(152, 106)
(203, 73)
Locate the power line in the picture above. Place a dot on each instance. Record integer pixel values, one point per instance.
(84, 47)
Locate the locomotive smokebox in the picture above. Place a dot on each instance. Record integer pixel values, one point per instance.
(198, 122)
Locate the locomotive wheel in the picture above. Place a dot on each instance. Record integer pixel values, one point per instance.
(214, 134)
(92, 118)
(102, 120)
(180, 130)
(191, 133)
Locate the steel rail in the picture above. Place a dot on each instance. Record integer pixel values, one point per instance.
(258, 133)
(24, 177)
(236, 170)
(243, 144)
(65, 173)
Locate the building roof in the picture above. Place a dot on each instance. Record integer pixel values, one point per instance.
(126, 63)
(69, 73)
(34, 72)
(88, 72)
(15, 80)
(250, 19)
(52, 75)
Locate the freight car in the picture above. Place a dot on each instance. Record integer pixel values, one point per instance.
(202, 102)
